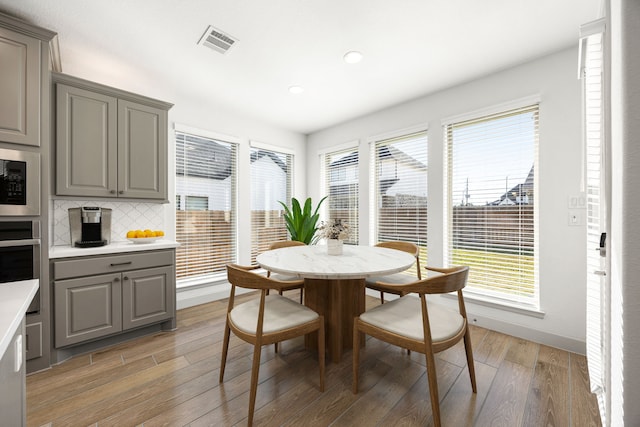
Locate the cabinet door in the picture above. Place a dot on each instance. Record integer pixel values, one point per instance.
(148, 296)
(33, 341)
(86, 143)
(142, 151)
(13, 384)
(19, 88)
(87, 308)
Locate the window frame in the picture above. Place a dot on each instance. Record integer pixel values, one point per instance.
(532, 305)
(234, 142)
(325, 175)
(290, 161)
(418, 131)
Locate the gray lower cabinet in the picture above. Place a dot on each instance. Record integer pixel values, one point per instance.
(109, 143)
(99, 305)
(12, 385)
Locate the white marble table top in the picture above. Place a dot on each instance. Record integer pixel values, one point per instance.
(356, 262)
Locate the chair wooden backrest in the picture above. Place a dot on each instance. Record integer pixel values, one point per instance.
(289, 319)
(375, 323)
(408, 247)
(285, 244)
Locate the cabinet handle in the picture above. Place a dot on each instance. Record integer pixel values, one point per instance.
(126, 277)
(121, 192)
(112, 192)
(116, 279)
(115, 264)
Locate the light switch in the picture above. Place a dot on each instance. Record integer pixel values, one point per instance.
(18, 353)
(576, 217)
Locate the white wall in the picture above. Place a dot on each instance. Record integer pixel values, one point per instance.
(562, 258)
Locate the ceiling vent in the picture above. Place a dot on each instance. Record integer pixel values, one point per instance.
(217, 40)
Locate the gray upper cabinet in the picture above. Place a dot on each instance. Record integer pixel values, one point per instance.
(87, 151)
(109, 143)
(19, 88)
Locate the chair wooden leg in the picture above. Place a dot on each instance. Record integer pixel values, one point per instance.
(321, 353)
(225, 348)
(470, 364)
(381, 297)
(301, 292)
(356, 355)
(255, 368)
(433, 387)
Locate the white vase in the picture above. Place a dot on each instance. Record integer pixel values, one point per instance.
(334, 247)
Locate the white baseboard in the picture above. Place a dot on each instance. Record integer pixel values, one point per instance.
(196, 295)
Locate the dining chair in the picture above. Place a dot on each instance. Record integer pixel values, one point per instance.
(296, 283)
(397, 278)
(266, 320)
(414, 323)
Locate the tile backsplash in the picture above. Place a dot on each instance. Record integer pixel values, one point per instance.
(125, 216)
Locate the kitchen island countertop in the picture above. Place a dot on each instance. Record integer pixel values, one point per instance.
(112, 248)
(15, 298)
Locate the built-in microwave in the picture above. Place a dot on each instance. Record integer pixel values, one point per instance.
(19, 182)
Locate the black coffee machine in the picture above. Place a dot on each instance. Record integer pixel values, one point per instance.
(90, 226)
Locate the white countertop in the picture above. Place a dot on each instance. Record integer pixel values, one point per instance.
(15, 298)
(356, 262)
(112, 248)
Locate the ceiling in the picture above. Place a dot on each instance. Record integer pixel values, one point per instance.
(411, 48)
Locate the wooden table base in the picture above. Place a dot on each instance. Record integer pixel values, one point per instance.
(339, 301)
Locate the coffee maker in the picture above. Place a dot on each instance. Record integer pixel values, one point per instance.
(90, 226)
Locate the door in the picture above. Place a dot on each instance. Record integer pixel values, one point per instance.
(19, 88)
(147, 296)
(87, 308)
(142, 151)
(86, 143)
(597, 195)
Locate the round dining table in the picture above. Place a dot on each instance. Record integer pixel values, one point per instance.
(334, 285)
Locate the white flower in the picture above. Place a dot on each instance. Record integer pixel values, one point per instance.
(336, 229)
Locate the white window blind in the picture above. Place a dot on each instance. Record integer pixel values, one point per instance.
(399, 191)
(341, 183)
(492, 215)
(270, 183)
(594, 183)
(206, 216)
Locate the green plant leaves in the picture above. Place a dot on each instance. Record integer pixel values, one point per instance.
(300, 222)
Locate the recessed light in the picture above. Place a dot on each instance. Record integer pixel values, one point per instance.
(296, 89)
(352, 57)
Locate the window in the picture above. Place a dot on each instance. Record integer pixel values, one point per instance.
(492, 215)
(270, 183)
(196, 203)
(206, 212)
(341, 184)
(399, 171)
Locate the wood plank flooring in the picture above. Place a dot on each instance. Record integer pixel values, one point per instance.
(172, 379)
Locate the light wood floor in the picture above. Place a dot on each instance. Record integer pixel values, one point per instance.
(172, 379)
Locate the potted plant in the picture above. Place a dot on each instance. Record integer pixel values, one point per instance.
(335, 232)
(301, 223)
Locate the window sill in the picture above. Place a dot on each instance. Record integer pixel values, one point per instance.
(201, 281)
(500, 304)
(213, 279)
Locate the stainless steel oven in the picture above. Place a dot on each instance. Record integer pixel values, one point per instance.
(20, 254)
(19, 182)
